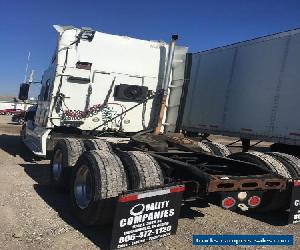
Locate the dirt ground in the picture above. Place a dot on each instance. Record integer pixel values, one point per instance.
(34, 216)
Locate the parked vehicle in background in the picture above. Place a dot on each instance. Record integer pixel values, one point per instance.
(9, 111)
(18, 117)
(14, 111)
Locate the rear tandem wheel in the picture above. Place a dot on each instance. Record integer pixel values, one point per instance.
(214, 148)
(97, 144)
(97, 179)
(142, 169)
(65, 155)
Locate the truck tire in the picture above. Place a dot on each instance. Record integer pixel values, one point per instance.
(98, 177)
(65, 155)
(271, 200)
(204, 147)
(97, 144)
(214, 148)
(142, 169)
(291, 162)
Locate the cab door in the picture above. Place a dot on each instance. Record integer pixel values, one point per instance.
(45, 97)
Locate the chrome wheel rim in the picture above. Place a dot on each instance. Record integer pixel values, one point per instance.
(82, 187)
(57, 165)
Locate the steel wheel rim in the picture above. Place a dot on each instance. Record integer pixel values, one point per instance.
(82, 187)
(57, 165)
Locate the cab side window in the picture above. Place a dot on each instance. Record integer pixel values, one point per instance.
(30, 116)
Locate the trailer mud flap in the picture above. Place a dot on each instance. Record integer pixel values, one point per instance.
(146, 216)
(294, 216)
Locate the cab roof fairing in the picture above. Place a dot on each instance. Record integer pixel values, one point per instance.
(68, 35)
(62, 29)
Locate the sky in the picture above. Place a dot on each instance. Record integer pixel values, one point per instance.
(27, 26)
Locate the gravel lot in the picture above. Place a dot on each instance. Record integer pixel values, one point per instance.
(34, 216)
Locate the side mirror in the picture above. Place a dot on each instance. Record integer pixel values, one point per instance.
(23, 93)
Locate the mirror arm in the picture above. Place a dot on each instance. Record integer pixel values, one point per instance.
(33, 82)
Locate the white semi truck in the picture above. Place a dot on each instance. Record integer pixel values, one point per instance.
(107, 114)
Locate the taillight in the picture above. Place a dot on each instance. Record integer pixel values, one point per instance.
(296, 183)
(228, 202)
(254, 201)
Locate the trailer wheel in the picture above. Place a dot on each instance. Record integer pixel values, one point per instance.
(291, 162)
(98, 177)
(66, 153)
(215, 148)
(266, 160)
(142, 169)
(271, 200)
(97, 144)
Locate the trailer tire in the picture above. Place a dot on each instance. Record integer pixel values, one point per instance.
(97, 144)
(214, 148)
(142, 169)
(291, 162)
(65, 155)
(97, 179)
(263, 159)
(271, 200)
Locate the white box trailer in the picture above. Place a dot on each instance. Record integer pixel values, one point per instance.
(247, 90)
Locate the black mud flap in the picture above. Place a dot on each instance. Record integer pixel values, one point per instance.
(146, 216)
(294, 216)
